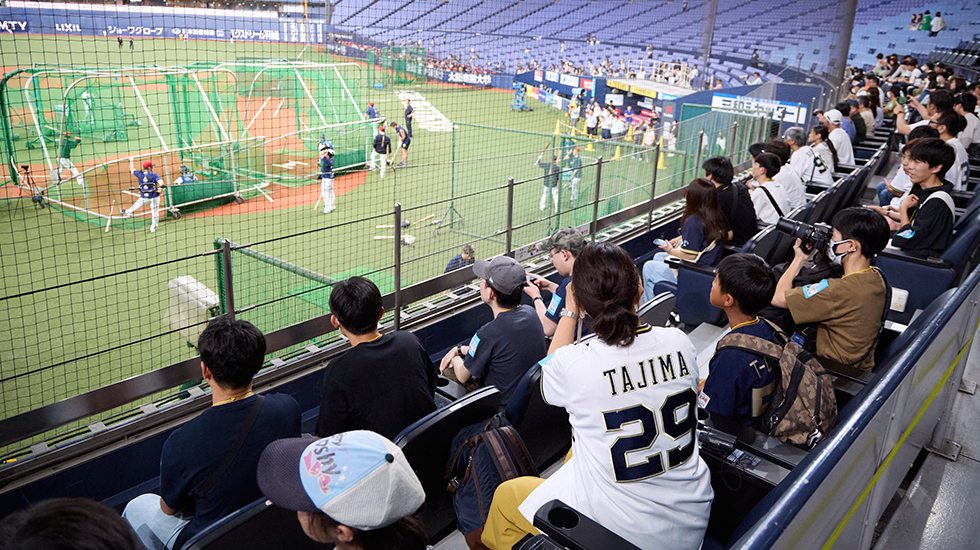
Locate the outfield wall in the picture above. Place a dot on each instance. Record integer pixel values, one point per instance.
(157, 22)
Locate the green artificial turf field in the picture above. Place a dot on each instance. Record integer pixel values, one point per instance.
(84, 307)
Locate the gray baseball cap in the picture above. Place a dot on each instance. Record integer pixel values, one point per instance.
(503, 273)
(568, 239)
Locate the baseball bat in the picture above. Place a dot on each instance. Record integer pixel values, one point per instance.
(109, 221)
(317, 205)
(384, 227)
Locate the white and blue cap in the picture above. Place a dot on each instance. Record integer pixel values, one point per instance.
(358, 478)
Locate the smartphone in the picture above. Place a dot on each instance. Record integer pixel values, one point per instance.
(659, 242)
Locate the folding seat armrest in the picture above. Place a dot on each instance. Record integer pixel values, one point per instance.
(678, 263)
(901, 255)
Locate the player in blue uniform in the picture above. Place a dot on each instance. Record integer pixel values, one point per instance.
(149, 187)
(373, 116)
(404, 140)
(326, 178)
(186, 176)
(409, 115)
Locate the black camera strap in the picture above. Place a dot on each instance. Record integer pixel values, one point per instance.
(205, 487)
(773, 201)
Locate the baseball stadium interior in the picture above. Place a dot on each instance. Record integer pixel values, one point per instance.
(172, 165)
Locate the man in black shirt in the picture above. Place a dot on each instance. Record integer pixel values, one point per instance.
(409, 115)
(384, 382)
(504, 349)
(734, 199)
(927, 214)
(382, 148)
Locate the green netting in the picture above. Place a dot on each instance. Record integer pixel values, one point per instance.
(397, 65)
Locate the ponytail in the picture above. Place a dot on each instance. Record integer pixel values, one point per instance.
(606, 284)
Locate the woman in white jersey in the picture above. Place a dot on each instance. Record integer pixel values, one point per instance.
(820, 143)
(631, 398)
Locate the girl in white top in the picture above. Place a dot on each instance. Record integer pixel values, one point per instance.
(769, 207)
(820, 141)
(631, 397)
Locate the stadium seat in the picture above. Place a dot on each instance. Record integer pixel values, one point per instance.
(257, 525)
(927, 278)
(543, 427)
(426, 445)
(656, 312)
(692, 289)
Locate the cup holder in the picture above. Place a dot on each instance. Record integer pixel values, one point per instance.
(563, 518)
(441, 381)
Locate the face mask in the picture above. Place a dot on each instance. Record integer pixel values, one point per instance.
(836, 258)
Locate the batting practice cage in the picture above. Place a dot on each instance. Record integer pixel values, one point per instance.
(71, 137)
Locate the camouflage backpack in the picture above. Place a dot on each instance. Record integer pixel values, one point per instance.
(803, 408)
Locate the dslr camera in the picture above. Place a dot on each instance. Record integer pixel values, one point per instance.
(812, 237)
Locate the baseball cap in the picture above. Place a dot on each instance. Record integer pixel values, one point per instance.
(147, 164)
(503, 273)
(371, 104)
(358, 478)
(568, 239)
(833, 116)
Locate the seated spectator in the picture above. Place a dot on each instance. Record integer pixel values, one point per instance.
(703, 234)
(194, 492)
(965, 105)
(926, 216)
(787, 176)
(563, 246)
(371, 506)
(769, 198)
(504, 349)
(824, 148)
(740, 383)
(860, 129)
(950, 124)
(847, 311)
(939, 100)
(846, 122)
(753, 80)
(867, 114)
(461, 260)
(631, 375)
(385, 381)
(733, 199)
(842, 143)
(67, 524)
(805, 162)
(900, 184)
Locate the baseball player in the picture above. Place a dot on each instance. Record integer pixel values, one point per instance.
(373, 115)
(326, 179)
(574, 159)
(149, 187)
(382, 148)
(186, 176)
(324, 143)
(552, 174)
(409, 115)
(404, 140)
(63, 162)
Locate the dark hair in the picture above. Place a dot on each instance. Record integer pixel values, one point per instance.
(824, 134)
(508, 300)
(920, 132)
(720, 169)
(863, 101)
(67, 524)
(769, 162)
(934, 152)
(953, 121)
(357, 304)
(748, 279)
(232, 350)
(844, 108)
(779, 148)
(967, 101)
(701, 200)
(865, 226)
(757, 149)
(942, 100)
(606, 284)
(408, 533)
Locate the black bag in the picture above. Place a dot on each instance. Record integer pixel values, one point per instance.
(484, 455)
(816, 268)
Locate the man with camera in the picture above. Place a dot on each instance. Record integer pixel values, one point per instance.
(844, 314)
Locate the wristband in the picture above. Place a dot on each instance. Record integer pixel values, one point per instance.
(538, 298)
(459, 351)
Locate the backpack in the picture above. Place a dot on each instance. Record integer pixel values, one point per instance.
(803, 408)
(484, 455)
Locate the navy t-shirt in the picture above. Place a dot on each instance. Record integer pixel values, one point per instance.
(737, 379)
(148, 183)
(694, 241)
(195, 449)
(557, 303)
(504, 349)
(326, 167)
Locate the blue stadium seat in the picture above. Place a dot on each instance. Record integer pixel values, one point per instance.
(543, 427)
(927, 278)
(257, 525)
(426, 445)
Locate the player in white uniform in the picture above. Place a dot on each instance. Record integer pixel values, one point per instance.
(805, 161)
(631, 396)
(186, 176)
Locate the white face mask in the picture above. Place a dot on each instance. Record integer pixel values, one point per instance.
(836, 258)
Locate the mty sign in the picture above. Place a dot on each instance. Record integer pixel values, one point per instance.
(13, 26)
